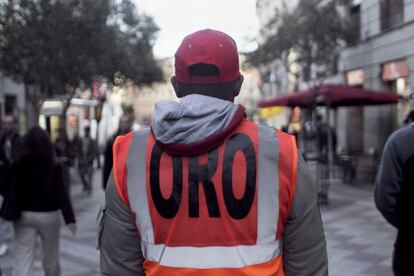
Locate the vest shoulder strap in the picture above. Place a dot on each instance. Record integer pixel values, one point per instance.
(120, 154)
(287, 167)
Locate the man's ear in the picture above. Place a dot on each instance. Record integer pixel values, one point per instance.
(238, 85)
(176, 87)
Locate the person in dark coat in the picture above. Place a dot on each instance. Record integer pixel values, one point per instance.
(394, 192)
(41, 196)
(10, 148)
(125, 126)
(61, 147)
(86, 154)
(10, 142)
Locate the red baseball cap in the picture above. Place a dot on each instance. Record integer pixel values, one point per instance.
(207, 47)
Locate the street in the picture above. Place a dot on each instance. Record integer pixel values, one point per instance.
(359, 240)
(337, 76)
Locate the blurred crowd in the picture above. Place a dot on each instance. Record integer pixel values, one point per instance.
(35, 181)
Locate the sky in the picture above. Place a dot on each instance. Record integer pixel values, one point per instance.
(177, 18)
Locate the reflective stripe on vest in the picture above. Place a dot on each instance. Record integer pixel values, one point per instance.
(221, 226)
(271, 268)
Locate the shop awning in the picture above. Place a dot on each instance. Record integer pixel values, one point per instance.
(334, 96)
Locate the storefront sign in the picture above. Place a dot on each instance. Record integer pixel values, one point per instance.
(394, 70)
(355, 77)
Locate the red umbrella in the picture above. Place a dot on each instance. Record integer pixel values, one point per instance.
(334, 96)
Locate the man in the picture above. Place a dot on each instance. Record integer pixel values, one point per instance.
(125, 126)
(10, 142)
(206, 191)
(10, 147)
(394, 192)
(86, 155)
(322, 129)
(61, 147)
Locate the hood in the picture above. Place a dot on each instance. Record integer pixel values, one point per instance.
(194, 125)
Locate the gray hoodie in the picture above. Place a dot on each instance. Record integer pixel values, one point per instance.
(195, 124)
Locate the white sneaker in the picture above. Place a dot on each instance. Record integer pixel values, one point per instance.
(3, 249)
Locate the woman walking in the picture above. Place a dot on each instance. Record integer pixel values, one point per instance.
(40, 195)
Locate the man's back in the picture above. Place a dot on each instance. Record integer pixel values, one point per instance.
(227, 205)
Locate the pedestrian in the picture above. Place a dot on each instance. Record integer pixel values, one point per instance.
(73, 148)
(211, 192)
(294, 126)
(10, 147)
(394, 192)
(322, 132)
(125, 126)
(41, 196)
(61, 147)
(86, 154)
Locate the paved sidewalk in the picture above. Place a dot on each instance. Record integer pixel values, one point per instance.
(359, 240)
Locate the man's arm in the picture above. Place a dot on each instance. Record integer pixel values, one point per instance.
(387, 184)
(304, 245)
(119, 240)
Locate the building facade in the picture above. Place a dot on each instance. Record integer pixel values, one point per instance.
(275, 77)
(383, 60)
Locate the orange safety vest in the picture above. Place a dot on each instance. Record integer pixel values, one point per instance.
(220, 213)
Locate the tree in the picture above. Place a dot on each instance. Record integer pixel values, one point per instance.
(134, 40)
(310, 36)
(55, 46)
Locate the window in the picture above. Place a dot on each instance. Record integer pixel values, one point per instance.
(392, 13)
(355, 16)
